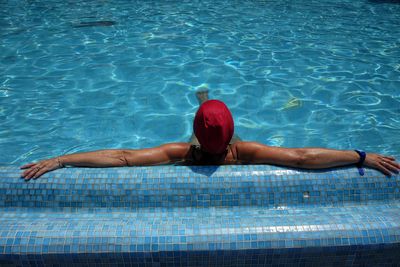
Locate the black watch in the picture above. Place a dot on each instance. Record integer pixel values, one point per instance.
(360, 163)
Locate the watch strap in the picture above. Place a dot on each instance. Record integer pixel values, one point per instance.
(360, 163)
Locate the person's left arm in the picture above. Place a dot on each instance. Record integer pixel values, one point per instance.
(164, 154)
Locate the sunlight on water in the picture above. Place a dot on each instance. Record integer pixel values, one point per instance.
(96, 75)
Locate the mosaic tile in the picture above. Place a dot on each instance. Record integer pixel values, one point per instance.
(181, 216)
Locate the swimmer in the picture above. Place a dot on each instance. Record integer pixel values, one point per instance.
(214, 143)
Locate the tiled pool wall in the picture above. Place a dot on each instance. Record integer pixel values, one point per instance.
(248, 215)
(209, 186)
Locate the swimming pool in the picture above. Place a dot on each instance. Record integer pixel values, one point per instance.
(294, 73)
(87, 75)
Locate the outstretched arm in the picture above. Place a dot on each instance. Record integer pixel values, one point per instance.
(311, 158)
(164, 154)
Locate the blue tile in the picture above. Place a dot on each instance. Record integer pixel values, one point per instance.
(229, 210)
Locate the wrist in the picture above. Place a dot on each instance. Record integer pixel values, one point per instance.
(361, 161)
(60, 163)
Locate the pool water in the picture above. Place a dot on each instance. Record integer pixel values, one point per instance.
(78, 76)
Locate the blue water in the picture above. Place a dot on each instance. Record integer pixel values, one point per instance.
(294, 73)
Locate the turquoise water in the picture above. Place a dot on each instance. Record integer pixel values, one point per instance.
(294, 73)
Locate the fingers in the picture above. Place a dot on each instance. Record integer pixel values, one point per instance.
(392, 166)
(39, 173)
(30, 173)
(384, 169)
(389, 158)
(34, 172)
(395, 164)
(30, 169)
(387, 165)
(27, 165)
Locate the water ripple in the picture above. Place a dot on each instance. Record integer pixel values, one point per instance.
(294, 73)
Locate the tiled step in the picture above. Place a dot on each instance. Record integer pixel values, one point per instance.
(247, 216)
(196, 229)
(171, 186)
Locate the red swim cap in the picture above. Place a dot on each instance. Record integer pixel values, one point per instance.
(213, 126)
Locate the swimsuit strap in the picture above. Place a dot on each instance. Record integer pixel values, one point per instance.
(200, 157)
(194, 149)
(234, 156)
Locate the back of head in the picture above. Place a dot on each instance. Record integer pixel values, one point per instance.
(213, 126)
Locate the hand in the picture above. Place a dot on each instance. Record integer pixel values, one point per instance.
(385, 164)
(35, 170)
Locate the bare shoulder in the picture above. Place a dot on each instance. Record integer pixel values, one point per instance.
(178, 151)
(244, 150)
(254, 152)
(176, 148)
(180, 145)
(165, 148)
(167, 153)
(246, 147)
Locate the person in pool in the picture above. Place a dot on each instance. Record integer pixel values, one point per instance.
(214, 143)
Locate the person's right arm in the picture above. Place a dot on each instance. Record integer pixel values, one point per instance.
(311, 158)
